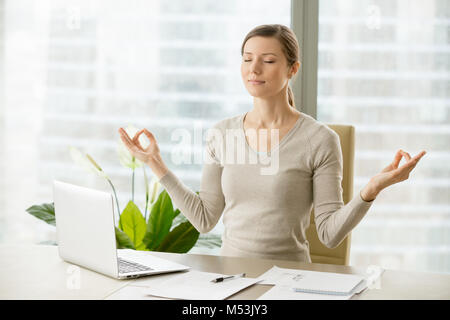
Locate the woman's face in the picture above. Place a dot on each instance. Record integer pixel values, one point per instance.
(264, 68)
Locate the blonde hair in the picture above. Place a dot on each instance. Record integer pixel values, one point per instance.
(289, 45)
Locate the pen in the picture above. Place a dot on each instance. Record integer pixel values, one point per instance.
(229, 277)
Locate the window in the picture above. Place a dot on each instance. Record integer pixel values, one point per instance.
(74, 72)
(384, 68)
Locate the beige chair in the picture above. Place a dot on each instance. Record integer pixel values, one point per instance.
(341, 254)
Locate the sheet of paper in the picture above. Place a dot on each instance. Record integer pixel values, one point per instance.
(313, 280)
(285, 292)
(130, 292)
(154, 280)
(197, 285)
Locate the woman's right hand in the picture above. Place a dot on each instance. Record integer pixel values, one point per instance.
(150, 155)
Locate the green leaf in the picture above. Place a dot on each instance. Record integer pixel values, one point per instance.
(160, 221)
(122, 240)
(176, 213)
(45, 212)
(133, 224)
(181, 239)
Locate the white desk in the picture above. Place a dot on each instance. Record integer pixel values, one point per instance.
(37, 272)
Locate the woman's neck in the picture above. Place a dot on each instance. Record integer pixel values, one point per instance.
(273, 112)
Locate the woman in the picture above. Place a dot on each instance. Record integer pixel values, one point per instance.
(266, 215)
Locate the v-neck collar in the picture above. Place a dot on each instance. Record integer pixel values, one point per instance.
(280, 144)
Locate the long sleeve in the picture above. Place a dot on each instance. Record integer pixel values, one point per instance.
(333, 219)
(202, 210)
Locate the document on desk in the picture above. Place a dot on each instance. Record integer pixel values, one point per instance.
(314, 282)
(285, 292)
(197, 285)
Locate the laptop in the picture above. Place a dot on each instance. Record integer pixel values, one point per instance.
(86, 235)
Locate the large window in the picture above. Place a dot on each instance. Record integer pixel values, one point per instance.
(384, 67)
(73, 72)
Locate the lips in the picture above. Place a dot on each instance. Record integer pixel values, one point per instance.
(256, 81)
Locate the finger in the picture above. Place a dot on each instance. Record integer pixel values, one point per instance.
(136, 139)
(127, 140)
(137, 134)
(149, 135)
(122, 132)
(397, 158)
(413, 161)
(407, 167)
(416, 159)
(124, 136)
(419, 156)
(406, 155)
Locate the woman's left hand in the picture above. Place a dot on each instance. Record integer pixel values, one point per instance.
(391, 174)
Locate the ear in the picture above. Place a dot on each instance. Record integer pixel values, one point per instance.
(294, 69)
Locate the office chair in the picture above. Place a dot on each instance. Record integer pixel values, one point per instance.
(341, 254)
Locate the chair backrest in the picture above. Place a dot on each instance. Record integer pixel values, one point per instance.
(341, 254)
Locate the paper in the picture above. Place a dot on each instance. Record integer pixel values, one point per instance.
(285, 280)
(285, 292)
(154, 281)
(197, 285)
(313, 280)
(130, 292)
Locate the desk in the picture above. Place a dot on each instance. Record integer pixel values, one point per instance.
(37, 272)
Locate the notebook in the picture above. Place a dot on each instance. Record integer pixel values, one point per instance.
(315, 282)
(280, 292)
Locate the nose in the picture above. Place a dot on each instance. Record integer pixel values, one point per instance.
(255, 68)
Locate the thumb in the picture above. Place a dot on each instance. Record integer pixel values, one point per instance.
(397, 158)
(150, 136)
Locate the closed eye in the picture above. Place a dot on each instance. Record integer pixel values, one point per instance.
(264, 61)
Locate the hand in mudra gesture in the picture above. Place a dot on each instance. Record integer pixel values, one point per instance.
(147, 155)
(392, 174)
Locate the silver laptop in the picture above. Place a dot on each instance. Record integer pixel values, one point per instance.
(86, 235)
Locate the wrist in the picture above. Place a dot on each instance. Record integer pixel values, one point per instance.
(158, 167)
(369, 192)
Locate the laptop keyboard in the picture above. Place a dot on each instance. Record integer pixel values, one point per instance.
(126, 266)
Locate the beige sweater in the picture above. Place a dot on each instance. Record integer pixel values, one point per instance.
(266, 215)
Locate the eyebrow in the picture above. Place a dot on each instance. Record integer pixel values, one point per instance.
(264, 54)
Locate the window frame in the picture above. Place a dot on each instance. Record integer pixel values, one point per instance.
(305, 24)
